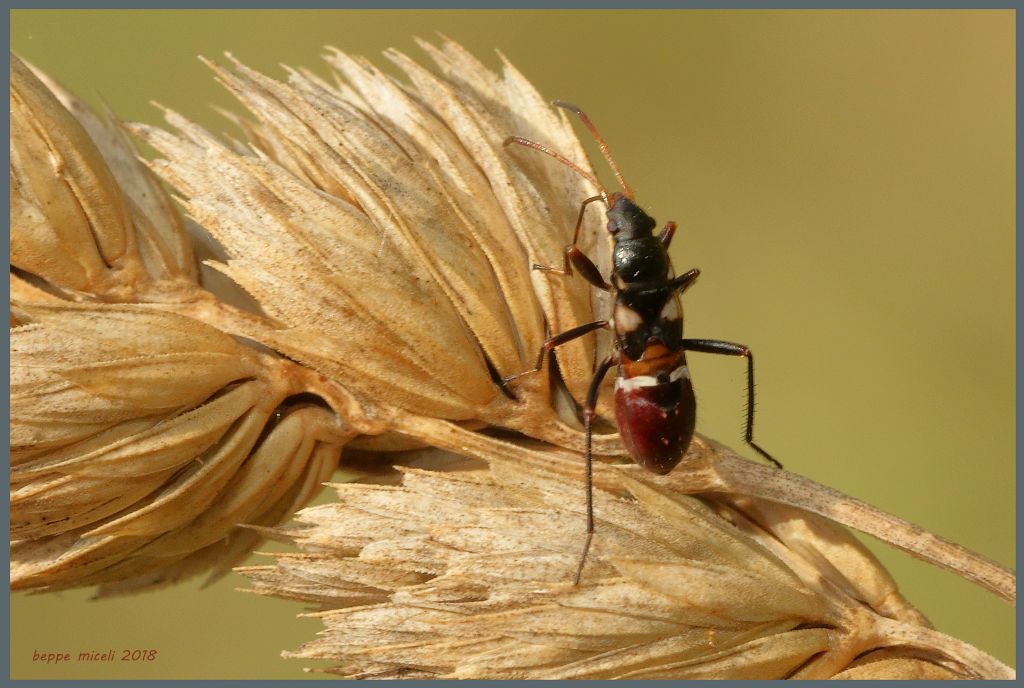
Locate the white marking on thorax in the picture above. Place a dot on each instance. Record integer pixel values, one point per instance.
(670, 311)
(626, 319)
(640, 381)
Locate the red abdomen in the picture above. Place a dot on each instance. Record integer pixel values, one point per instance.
(656, 416)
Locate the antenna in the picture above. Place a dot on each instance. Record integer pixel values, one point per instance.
(562, 159)
(600, 142)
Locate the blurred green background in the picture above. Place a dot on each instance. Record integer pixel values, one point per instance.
(844, 179)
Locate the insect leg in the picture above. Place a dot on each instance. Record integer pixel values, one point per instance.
(714, 346)
(667, 233)
(583, 264)
(588, 419)
(556, 341)
(574, 256)
(685, 280)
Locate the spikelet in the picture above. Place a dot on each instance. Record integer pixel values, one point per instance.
(468, 574)
(86, 216)
(140, 438)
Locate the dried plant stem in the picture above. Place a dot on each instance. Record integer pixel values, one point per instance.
(853, 644)
(559, 433)
(446, 435)
(739, 475)
(901, 633)
(716, 469)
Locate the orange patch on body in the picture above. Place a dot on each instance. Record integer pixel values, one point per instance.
(655, 359)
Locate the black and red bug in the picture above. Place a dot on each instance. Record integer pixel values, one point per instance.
(654, 402)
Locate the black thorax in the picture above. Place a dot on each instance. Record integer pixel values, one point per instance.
(641, 268)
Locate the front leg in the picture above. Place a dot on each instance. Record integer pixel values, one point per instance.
(575, 257)
(714, 346)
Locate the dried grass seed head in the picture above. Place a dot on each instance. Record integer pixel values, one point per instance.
(130, 475)
(463, 574)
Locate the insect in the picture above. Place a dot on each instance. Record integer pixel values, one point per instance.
(654, 401)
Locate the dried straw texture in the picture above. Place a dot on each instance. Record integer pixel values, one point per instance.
(381, 236)
(369, 183)
(139, 438)
(467, 574)
(122, 348)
